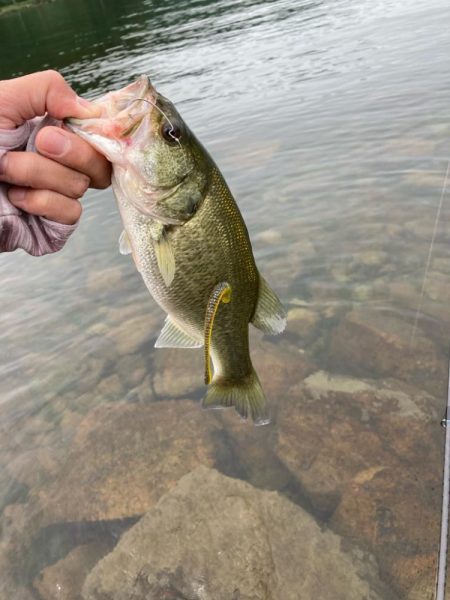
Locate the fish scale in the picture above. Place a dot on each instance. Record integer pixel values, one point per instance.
(212, 247)
(188, 240)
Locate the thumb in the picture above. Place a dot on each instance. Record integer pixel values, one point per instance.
(39, 93)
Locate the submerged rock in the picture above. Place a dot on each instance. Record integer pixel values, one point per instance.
(124, 457)
(371, 342)
(302, 321)
(104, 281)
(268, 236)
(17, 525)
(216, 538)
(399, 521)
(373, 258)
(132, 369)
(110, 389)
(367, 456)
(178, 372)
(10, 590)
(64, 579)
(437, 286)
(131, 334)
(278, 363)
(142, 393)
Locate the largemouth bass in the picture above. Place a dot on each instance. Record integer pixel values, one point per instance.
(188, 240)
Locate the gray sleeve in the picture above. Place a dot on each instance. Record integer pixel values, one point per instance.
(35, 235)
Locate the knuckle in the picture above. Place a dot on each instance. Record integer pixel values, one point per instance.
(19, 167)
(52, 76)
(78, 209)
(104, 179)
(80, 185)
(41, 201)
(25, 201)
(103, 184)
(35, 202)
(69, 210)
(26, 167)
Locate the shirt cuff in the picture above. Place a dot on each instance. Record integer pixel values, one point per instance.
(18, 229)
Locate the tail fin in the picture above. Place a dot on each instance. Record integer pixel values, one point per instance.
(247, 397)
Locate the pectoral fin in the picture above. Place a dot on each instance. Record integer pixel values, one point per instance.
(164, 252)
(270, 315)
(124, 243)
(220, 293)
(166, 259)
(172, 336)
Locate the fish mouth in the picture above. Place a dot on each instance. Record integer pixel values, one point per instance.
(122, 112)
(141, 89)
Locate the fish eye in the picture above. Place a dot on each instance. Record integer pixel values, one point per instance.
(170, 132)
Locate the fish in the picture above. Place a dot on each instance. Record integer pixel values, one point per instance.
(188, 240)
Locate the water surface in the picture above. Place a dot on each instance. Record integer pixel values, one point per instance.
(329, 121)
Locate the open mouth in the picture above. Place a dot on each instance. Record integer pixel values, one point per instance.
(122, 111)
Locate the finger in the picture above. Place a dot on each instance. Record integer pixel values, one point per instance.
(33, 95)
(46, 203)
(29, 169)
(73, 152)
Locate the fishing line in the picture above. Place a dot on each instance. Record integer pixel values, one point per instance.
(442, 556)
(430, 251)
(172, 127)
(441, 575)
(174, 137)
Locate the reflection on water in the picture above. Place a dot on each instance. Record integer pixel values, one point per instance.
(330, 122)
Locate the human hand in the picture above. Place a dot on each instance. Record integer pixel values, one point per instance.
(51, 182)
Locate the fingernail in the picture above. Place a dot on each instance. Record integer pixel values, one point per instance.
(16, 195)
(53, 141)
(92, 110)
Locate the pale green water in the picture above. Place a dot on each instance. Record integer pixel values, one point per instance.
(329, 121)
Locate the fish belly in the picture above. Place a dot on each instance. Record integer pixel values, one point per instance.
(212, 247)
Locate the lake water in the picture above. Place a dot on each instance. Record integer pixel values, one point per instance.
(329, 121)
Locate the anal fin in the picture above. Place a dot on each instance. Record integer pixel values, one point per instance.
(270, 315)
(172, 336)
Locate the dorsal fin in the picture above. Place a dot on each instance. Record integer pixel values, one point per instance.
(270, 315)
(172, 336)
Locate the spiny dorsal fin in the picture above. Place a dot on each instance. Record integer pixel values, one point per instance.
(124, 243)
(172, 336)
(220, 293)
(270, 315)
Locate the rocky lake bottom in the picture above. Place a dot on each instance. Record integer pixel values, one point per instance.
(121, 486)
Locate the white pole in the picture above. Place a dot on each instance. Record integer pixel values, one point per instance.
(442, 565)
